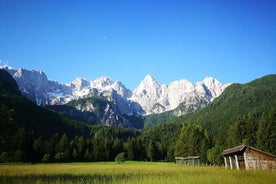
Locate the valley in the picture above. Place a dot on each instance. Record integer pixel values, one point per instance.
(92, 128)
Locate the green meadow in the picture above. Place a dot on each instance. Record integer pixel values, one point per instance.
(129, 172)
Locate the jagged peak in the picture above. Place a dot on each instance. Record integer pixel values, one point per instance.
(7, 67)
(148, 77)
(181, 82)
(103, 80)
(209, 80)
(119, 83)
(79, 79)
(80, 83)
(147, 83)
(149, 80)
(34, 73)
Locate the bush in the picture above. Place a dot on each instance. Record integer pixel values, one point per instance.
(120, 158)
(4, 157)
(46, 158)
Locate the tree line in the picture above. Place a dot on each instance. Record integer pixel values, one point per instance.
(159, 143)
(103, 144)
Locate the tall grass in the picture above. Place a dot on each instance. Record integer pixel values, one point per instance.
(130, 172)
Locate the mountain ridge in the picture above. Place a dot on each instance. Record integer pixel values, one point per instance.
(148, 98)
(158, 98)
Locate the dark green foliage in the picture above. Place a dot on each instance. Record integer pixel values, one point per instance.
(113, 132)
(243, 130)
(7, 84)
(153, 151)
(62, 150)
(46, 158)
(239, 132)
(214, 155)
(165, 135)
(135, 121)
(120, 158)
(72, 113)
(266, 135)
(117, 147)
(193, 141)
(135, 149)
(155, 119)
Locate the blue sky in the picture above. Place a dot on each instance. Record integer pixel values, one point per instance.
(233, 41)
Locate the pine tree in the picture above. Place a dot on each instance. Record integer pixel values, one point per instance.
(266, 135)
(193, 141)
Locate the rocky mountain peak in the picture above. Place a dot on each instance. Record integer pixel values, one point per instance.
(80, 83)
(101, 82)
(148, 87)
(122, 90)
(32, 84)
(149, 78)
(149, 81)
(212, 86)
(211, 82)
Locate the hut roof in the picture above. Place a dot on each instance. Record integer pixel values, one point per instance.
(187, 158)
(233, 150)
(242, 148)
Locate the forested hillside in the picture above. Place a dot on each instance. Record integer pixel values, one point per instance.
(243, 114)
(237, 101)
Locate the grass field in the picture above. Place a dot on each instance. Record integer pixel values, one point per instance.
(129, 172)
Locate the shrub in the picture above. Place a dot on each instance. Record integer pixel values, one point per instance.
(120, 158)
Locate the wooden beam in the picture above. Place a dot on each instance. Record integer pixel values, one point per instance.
(230, 160)
(237, 162)
(225, 162)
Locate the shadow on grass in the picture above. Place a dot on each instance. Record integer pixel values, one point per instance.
(69, 178)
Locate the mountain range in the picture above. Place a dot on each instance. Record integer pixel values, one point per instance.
(149, 97)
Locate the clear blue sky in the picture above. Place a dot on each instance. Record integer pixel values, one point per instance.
(231, 40)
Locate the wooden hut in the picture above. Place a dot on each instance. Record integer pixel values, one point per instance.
(246, 157)
(193, 160)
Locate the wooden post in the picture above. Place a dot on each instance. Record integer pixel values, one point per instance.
(245, 160)
(225, 162)
(230, 160)
(237, 162)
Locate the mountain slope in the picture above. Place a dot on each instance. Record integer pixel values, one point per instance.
(238, 100)
(22, 113)
(8, 84)
(93, 110)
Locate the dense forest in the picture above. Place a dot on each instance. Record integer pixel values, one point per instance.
(243, 114)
